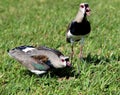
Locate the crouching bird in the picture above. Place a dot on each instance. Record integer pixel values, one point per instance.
(79, 28)
(39, 59)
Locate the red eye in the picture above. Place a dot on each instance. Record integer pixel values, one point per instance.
(82, 6)
(62, 60)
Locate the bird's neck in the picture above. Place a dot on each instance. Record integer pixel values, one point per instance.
(79, 17)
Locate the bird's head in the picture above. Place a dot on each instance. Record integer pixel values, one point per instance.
(84, 8)
(65, 61)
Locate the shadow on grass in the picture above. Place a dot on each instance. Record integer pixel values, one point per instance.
(65, 72)
(55, 73)
(96, 59)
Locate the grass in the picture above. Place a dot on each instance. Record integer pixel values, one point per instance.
(44, 22)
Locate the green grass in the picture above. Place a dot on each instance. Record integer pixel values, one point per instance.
(44, 22)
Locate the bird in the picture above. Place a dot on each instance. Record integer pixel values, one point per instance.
(79, 28)
(39, 60)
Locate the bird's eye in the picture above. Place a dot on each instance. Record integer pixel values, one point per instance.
(82, 6)
(62, 60)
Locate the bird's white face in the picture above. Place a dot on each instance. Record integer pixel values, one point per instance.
(84, 7)
(65, 61)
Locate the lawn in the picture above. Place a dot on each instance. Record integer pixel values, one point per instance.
(44, 22)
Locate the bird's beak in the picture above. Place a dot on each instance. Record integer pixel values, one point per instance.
(68, 64)
(88, 11)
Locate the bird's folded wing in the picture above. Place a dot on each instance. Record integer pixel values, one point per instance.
(31, 62)
(58, 53)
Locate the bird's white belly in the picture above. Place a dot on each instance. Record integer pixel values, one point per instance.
(38, 72)
(74, 37)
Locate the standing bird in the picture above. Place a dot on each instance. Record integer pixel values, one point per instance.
(79, 28)
(39, 59)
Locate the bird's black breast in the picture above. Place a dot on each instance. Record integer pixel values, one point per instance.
(82, 28)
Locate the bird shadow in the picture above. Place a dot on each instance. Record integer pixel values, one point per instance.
(96, 59)
(55, 73)
(63, 72)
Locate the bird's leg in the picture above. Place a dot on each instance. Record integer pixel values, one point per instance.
(80, 54)
(72, 50)
(81, 48)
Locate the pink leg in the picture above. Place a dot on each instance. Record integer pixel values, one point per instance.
(72, 52)
(81, 48)
(81, 52)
